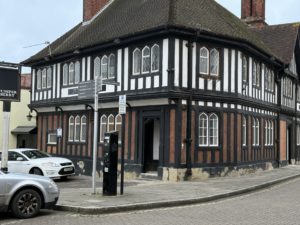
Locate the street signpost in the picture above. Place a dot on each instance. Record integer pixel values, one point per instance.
(122, 111)
(88, 90)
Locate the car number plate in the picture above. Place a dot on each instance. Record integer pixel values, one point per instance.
(68, 169)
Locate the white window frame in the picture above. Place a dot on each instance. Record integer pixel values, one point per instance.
(50, 136)
(204, 128)
(245, 69)
(65, 74)
(77, 125)
(205, 58)
(111, 66)
(49, 77)
(211, 61)
(244, 131)
(39, 80)
(71, 128)
(146, 57)
(104, 65)
(102, 124)
(255, 132)
(83, 123)
(155, 49)
(77, 72)
(214, 129)
(136, 58)
(254, 73)
(110, 123)
(97, 65)
(71, 73)
(44, 78)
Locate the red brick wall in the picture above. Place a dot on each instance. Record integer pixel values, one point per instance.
(253, 8)
(282, 140)
(172, 135)
(92, 7)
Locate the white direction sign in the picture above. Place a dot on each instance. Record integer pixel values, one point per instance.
(122, 104)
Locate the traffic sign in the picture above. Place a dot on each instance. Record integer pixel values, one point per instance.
(122, 104)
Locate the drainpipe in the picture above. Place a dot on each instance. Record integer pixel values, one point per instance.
(188, 140)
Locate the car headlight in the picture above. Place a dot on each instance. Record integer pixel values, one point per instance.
(50, 164)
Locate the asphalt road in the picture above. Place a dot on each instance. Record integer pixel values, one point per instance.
(274, 206)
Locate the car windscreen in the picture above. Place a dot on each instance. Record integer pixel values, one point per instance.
(35, 154)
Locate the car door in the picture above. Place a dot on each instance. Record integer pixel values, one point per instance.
(16, 165)
(2, 190)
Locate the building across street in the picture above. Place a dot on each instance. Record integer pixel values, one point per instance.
(207, 93)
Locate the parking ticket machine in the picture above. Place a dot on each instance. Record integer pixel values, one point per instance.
(110, 163)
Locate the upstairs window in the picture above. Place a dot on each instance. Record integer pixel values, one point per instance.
(146, 61)
(44, 79)
(269, 80)
(65, 74)
(104, 64)
(105, 67)
(256, 74)
(49, 77)
(287, 87)
(112, 66)
(71, 73)
(155, 58)
(245, 70)
(39, 80)
(209, 61)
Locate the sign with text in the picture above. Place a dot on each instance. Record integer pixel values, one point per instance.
(10, 83)
(122, 104)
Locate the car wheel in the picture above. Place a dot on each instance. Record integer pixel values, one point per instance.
(36, 171)
(27, 203)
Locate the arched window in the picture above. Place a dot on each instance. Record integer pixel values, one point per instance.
(214, 62)
(111, 123)
(104, 62)
(83, 129)
(271, 127)
(254, 73)
(77, 128)
(204, 60)
(49, 77)
(255, 131)
(245, 69)
(244, 130)
(136, 61)
(71, 73)
(103, 127)
(71, 128)
(267, 135)
(77, 72)
(96, 67)
(146, 60)
(258, 72)
(39, 80)
(213, 130)
(112, 66)
(203, 129)
(44, 78)
(155, 58)
(65, 74)
(118, 126)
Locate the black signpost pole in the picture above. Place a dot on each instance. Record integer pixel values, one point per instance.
(122, 154)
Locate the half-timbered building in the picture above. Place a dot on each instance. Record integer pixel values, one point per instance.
(207, 92)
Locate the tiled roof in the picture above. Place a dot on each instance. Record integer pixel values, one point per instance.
(123, 18)
(281, 39)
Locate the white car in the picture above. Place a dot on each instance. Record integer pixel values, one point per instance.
(37, 162)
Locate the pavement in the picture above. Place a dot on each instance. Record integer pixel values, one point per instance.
(141, 194)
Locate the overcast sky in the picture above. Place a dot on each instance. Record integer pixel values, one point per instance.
(29, 22)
